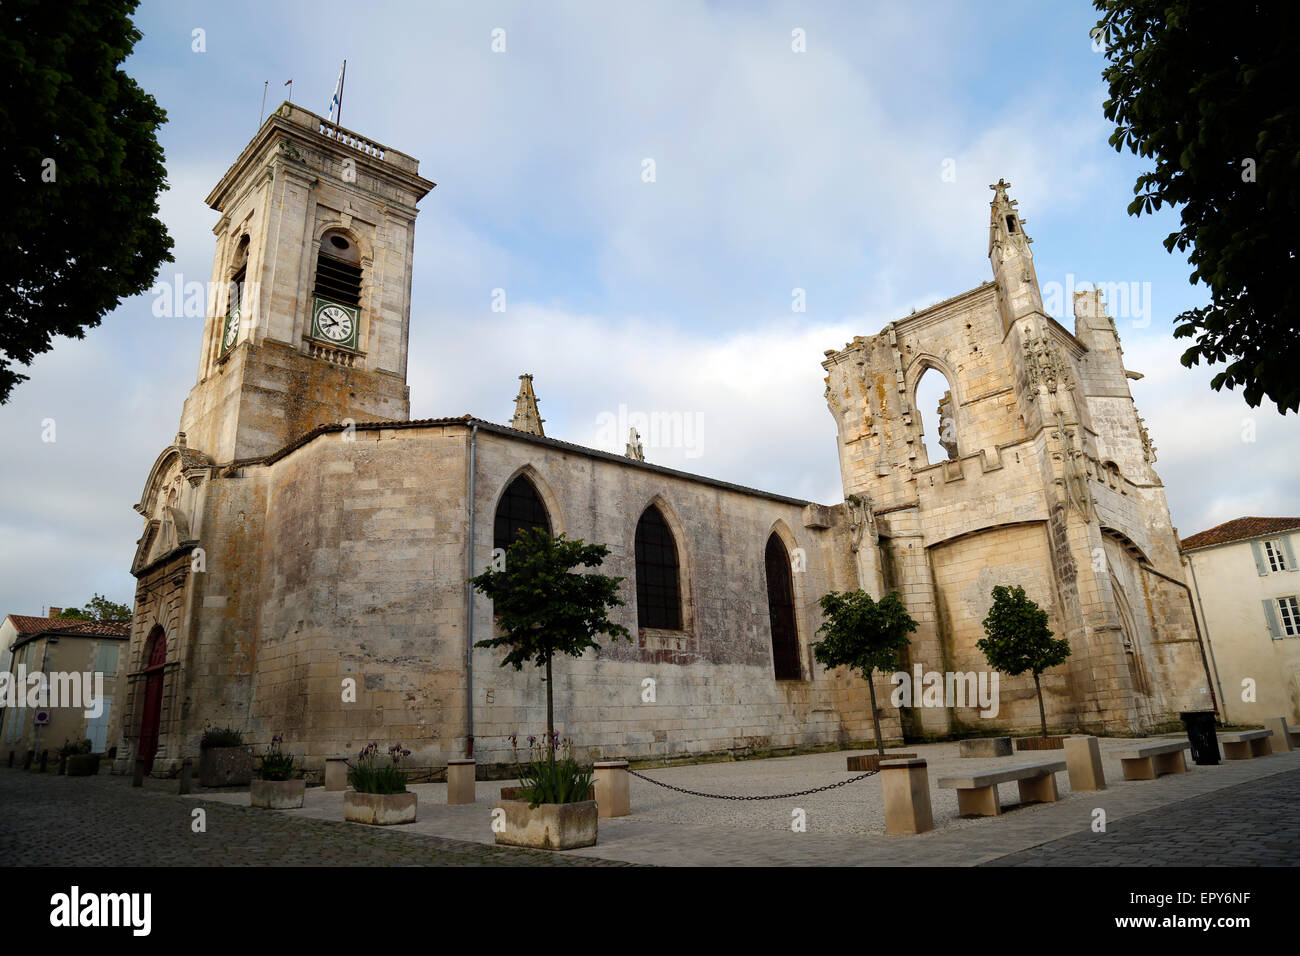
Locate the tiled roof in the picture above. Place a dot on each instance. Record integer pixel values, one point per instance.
(30, 626)
(1239, 529)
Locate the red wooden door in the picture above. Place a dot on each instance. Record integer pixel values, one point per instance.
(151, 715)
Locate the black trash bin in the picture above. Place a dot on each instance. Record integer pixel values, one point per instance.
(1200, 731)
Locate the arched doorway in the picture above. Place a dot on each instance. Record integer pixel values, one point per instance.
(151, 708)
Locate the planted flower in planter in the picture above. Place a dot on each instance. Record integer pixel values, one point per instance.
(76, 760)
(275, 788)
(554, 808)
(224, 761)
(379, 795)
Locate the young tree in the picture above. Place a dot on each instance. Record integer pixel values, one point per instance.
(1205, 93)
(544, 608)
(98, 608)
(865, 636)
(1018, 639)
(83, 170)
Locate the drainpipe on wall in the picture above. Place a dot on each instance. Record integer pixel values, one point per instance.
(1200, 641)
(469, 613)
(1191, 564)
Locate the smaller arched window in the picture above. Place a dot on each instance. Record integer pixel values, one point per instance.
(658, 596)
(519, 508)
(239, 274)
(338, 269)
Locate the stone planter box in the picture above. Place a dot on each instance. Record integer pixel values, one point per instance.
(379, 809)
(865, 762)
(82, 765)
(986, 747)
(551, 826)
(277, 794)
(1040, 743)
(226, 767)
(512, 793)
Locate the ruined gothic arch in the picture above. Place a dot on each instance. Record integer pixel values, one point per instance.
(916, 371)
(685, 577)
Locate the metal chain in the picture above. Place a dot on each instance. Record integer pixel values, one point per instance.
(775, 796)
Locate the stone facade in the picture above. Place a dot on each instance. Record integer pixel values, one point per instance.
(307, 547)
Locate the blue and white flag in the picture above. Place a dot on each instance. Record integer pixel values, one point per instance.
(336, 103)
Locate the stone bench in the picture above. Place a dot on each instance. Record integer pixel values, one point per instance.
(1246, 744)
(977, 793)
(1152, 760)
(1284, 737)
(985, 747)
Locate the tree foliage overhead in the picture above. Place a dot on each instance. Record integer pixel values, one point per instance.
(98, 608)
(83, 174)
(865, 636)
(1207, 92)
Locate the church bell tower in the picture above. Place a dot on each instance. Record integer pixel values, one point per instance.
(309, 310)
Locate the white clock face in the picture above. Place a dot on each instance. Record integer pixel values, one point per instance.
(334, 323)
(232, 330)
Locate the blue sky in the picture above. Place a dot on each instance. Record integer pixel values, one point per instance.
(775, 170)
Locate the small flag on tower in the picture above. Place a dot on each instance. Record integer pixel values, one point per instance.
(336, 103)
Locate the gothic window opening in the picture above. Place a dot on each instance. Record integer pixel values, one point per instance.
(338, 270)
(936, 410)
(520, 507)
(239, 275)
(1011, 223)
(780, 610)
(658, 597)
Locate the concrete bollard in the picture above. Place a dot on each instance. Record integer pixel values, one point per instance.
(336, 773)
(1281, 738)
(187, 775)
(11, 758)
(613, 788)
(1083, 760)
(460, 782)
(45, 758)
(137, 778)
(905, 785)
(28, 758)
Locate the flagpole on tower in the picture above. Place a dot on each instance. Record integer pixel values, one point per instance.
(336, 101)
(342, 79)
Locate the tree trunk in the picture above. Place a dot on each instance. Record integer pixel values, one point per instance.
(1042, 715)
(875, 715)
(550, 713)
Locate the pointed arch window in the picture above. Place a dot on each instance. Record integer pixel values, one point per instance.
(658, 596)
(780, 611)
(519, 508)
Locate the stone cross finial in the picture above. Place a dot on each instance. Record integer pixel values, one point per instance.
(1000, 189)
(635, 451)
(527, 418)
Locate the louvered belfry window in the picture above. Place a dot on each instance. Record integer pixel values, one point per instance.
(780, 610)
(658, 600)
(520, 507)
(338, 270)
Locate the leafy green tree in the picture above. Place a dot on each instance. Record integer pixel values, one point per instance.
(99, 608)
(864, 636)
(1018, 639)
(83, 170)
(1206, 91)
(544, 608)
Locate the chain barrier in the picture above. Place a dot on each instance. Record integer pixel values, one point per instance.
(775, 796)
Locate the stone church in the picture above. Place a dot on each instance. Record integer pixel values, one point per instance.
(303, 536)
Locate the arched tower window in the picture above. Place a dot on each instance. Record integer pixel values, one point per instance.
(239, 275)
(338, 269)
(937, 410)
(658, 596)
(780, 610)
(519, 508)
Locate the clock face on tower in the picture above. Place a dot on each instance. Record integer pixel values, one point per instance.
(231, 330)
(334, 323)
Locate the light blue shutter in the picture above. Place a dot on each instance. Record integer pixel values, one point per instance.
(106, 659)
(1290, 555)
(1261, 564)
(1270, 614)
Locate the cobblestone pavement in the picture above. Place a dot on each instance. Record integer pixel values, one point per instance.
(50, 820)
(1251, 824)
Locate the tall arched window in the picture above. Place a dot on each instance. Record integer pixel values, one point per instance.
(338, 269)
(658, 597)
(934, 403)
(520, 507)
(780, 611)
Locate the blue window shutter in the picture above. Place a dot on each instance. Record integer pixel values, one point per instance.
(1290, 554)
(1261, 565)
(1270, 614)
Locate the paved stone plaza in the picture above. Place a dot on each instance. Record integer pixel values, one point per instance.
(1238, 813)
